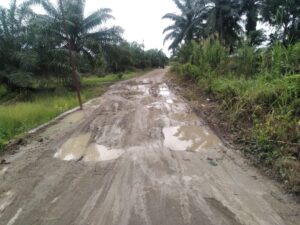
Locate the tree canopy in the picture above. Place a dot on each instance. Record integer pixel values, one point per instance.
(199, 19)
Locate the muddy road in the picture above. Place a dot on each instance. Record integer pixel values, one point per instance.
(136, 156)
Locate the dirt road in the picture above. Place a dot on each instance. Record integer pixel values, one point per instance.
(137, 155)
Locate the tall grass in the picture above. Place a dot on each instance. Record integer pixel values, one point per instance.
(258, 91)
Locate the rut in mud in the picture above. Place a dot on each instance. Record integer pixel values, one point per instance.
(137, 155)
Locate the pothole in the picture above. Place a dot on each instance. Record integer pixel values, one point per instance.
(80, 148)
(190, 118)
(174, 141)
(192, 138)
(165, 92)
(97, 152)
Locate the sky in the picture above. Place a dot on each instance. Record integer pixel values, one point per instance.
(140, 19)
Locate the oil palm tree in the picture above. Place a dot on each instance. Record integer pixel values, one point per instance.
(14, 55)
(223, 19)
(187, 25)
(84, 33)
(199, 19)
(77, 34)
(252, 9)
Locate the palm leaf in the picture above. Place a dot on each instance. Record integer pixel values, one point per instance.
(97, 18)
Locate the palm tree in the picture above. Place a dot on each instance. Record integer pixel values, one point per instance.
(202, 18)
(14, 55)
(82, 32)
(223, 19)
(188, 25)
(76, 33)
(252, 9)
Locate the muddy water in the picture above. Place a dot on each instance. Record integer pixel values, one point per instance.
(97, 152)
(192, 135)
(165, 92)
(74, 148)
(192, 138)
(80, 148)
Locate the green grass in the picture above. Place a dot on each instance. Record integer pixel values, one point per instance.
(262, 111)
(21, 116)
(258, 96)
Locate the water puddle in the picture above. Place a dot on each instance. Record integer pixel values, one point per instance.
(174, 141)
(164, 91)
(97, 152)
(80, 148)
(142, 89)
(74, 148)
(190, 138)
(186, 117)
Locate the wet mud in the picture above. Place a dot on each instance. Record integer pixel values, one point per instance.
(137, 155)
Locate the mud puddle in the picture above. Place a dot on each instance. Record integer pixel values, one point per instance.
(165, 92)
(190, 138)
(97, 152)
(143, 89)
(187, 118)
(80, 148)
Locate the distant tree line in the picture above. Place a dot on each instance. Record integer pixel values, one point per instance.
(34, 47)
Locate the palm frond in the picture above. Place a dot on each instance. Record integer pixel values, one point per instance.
(171, 16)
(46, 5)
(108, 35)
(171, 27)
(97, 18)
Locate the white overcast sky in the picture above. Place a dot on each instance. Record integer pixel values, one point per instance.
(141, 19)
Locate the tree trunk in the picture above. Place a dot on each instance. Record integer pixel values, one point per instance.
(75, 78)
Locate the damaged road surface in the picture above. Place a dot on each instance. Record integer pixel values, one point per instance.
(137, 155)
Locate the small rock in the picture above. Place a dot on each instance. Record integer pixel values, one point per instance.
(41, 140)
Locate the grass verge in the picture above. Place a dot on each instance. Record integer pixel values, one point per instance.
(17, 117)
(259, 115)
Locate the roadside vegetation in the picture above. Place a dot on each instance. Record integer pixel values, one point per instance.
(25, 111)
(252, 75)
(40, 52)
